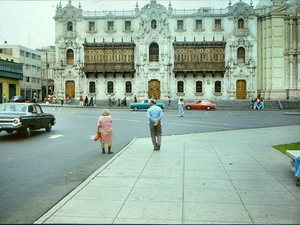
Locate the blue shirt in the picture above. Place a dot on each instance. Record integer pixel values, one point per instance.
(154, 113)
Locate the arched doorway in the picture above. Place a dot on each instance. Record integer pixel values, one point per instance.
(154, 89)
(70, 89)
(241, 89)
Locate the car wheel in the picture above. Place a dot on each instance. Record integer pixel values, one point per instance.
(208, 108)
(49, 127)
(135, 108)
(188, 107)
(27, 132)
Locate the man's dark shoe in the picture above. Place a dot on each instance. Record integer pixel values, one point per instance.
(103, 151)
(298, 182)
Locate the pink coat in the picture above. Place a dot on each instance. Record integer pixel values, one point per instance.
(105, 128)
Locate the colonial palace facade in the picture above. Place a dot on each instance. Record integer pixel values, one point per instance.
(158, 51)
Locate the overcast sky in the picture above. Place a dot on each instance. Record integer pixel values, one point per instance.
(30, 22)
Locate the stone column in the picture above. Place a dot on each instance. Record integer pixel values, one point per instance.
(298, 40)
(291, 61)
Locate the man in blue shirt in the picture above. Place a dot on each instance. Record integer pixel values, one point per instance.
(154, 114)
(297, 170)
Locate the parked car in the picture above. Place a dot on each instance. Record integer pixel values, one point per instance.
(200, 104)
(18, 99)
(24, 117)
(144, 104)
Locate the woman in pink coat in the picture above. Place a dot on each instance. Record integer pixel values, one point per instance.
(105, 130)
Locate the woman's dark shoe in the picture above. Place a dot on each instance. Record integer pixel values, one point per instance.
(109, 151)
(103, 151)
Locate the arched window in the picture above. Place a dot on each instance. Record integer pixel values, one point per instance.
(110, 87)
(241, 24)
(180, 87)
(153, 24)
(218, 87)
(92, 87)
(70, 57)
(153, 52)
(199, 86)
(69, 26)
(128, 87)
(241, 55)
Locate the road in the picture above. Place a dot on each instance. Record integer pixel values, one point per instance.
(37, 172)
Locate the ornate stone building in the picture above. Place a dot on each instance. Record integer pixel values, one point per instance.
(279, 48)
(157, 51)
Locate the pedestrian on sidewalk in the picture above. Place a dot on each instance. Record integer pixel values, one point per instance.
(105, 130)
(86, 101)
(91, 102)
(155, 114)
(180, 108)
(297, 170)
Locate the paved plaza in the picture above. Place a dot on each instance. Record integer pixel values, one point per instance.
(217, 177)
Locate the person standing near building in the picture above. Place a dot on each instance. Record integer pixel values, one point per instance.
(155, 114)
(4, 99)
(86, 100)
(105, 130)
(180, 108)
(135, 99)
(91, 102)
(169, 101)
(109, 101)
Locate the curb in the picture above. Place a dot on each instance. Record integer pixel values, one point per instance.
(69, 196)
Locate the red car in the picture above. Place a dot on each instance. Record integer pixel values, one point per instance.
(200, 104)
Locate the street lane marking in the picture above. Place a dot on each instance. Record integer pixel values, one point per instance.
(56, 136)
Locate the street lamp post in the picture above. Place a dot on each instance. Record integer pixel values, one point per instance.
(47, 65)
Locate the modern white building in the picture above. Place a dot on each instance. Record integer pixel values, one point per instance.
(156, 51)
(31, 60)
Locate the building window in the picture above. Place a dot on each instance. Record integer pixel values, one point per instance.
(179, 24)
(110, 87)
(70, 57)
(218, 24)
(153, 52)
(241, 24)
(92, 26)
(180, 87)
(127, 25)
(69, 26)
(92, 87)
(198, 24)
(199, 86)
(218, 87)
(110, 25)
(128, 87)
(241, 55)
(153, 24)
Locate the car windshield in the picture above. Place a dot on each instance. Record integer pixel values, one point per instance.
(13, 108)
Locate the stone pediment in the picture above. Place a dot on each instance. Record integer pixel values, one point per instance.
(68, 12)
(153, 8)
(241, 9)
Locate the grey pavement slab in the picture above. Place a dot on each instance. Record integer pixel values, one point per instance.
(218, 177)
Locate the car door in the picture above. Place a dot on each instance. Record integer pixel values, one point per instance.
(43, 120)
(197, 105)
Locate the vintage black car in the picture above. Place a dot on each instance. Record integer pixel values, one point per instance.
(24, 117)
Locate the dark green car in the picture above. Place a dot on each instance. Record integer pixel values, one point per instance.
(24, 117)
(144, 104)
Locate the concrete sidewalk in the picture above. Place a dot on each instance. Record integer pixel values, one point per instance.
(217, 177)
